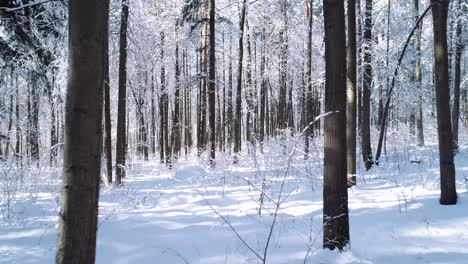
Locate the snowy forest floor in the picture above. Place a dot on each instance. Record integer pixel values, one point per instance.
(174, 216)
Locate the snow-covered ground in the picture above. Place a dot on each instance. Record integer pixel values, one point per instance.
(198, 214)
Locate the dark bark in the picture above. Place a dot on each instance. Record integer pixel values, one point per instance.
(308, 103)
(457, 79)
(238, 114)
(366, 87)
(418, 80)
(121, 145)
(351, 93)
(77, 227)
(447, 166)
(335, 192)
(212, 82)
(176, 135)
(263, 93)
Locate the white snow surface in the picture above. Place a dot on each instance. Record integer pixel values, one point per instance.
(164, 215)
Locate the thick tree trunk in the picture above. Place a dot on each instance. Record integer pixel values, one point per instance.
(351, 94)
(121, 145)
(447, 166)
(88, 28)
(335, 192)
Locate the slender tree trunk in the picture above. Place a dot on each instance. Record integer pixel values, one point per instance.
(283, 70)
(351, 93)
(107, 118)
(153, 115)
(176, 135)
(88, 28)
(230, 121)
(212, 81)
(162, 106)
(359, 67)
(263, 93)
(238, 116)
(447, 166)
(309, 113)
(366, 87)
(53, 130)
(457, 78)
(121, 146)
(10, 126)
(418, 80)
(18, 153)
(335, 192)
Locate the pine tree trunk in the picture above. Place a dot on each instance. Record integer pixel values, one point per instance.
(76, 242)
(447, 166)
(121, 145)
(335, 192)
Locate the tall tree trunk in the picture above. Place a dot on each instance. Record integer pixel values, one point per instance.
(121, 145)
(88, 30)
(335, 192)
(447, 166)
(10, 126)
(53, 130)
(457, 78)
(18, 153)
(283, 69)
(351, 93)
(366, 87)
(263, 93)
(309, 113)
(162, 107)
(238, 116)
(212, 81)
(107, 118)
(230, 121)
(176, 135)
(359, 67)
(418, 80)
(203, 105)
(153, 115)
